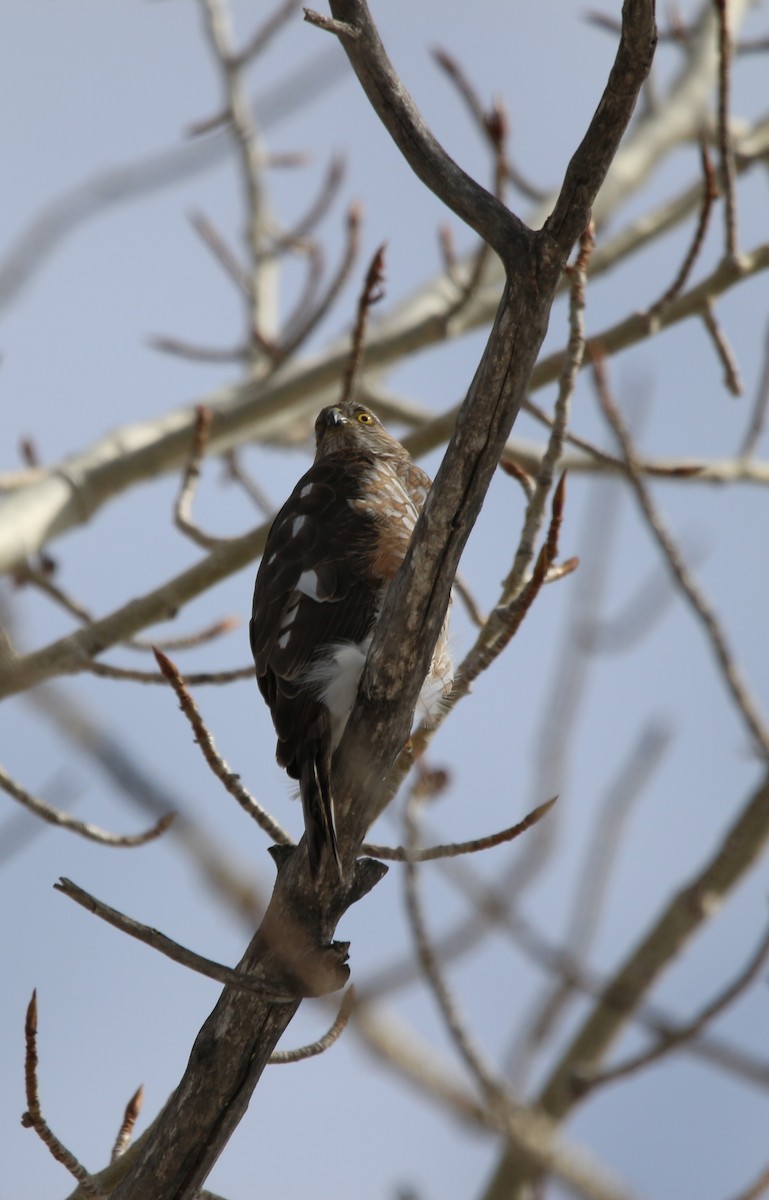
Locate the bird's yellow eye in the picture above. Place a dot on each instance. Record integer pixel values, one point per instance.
(365, 418)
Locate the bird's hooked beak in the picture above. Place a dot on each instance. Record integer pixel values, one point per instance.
(334, 417)
(328, 426)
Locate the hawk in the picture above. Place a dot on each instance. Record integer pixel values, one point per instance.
(330, 555)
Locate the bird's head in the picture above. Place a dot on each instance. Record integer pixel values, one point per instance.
(352, 426)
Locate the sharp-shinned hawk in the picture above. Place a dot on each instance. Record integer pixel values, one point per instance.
(330, 555)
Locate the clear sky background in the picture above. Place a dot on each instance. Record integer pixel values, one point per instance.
(88, 86)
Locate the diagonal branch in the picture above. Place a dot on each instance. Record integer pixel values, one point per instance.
(294, 940)
(671, 1038)
(418, 596)
(167, 946)
(730, 669)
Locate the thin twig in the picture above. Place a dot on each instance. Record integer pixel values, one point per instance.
(535, 509)
(306, 305)
(28, 452)
(371, 293)
(493, 126)
(595, 452)
(561, 570)
(195, 352)
(215, 761)
(171, 949)
(491, 1087)
(92, 833)
(324, 1043)
(725, 146)
(592, 886)
(760, 404)
(448, 63)
(224, 255)
(616, 634)
(259, 41)
(469, 603)
(33, 1117)
(756, 45)
(518, 592)
(28, 574)
(709, 195)
(300, 328)
(315, 213)
(507, 617)
(516, 472)
(137, 780)
(236, 472)
(43, 581)
(563, 704)
(522, 1126)
(448, 254)
(730, 671)
(454, 849)
(244, 131)
(675, 1037)
(492, 909)
(723, 350)
(499, 629)
(186, 641)
(130, 1117)
(189, 485)
(192, 678)
(470, 96)
(340, 29)
(130, 180)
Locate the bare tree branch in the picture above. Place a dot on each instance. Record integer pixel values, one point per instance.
(673, 1038)
(723, 350)
(324, 1043)
(54, 816)
(33, 1118)
(130, 1117)
(118, 185)
(371, 293)
(454, 849)
(300, 918)
(215, 761)
(682, 917)
(729, 668)
(42, 508)
(171, 949)
(709, 196)
(758, 416)
(726, 150)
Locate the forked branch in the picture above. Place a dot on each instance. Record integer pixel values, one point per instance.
(236, 1041)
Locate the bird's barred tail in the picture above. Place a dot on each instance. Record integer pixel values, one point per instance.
(318, 809)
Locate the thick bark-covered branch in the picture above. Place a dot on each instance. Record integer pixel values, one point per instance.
(418, 597)
(293, 944)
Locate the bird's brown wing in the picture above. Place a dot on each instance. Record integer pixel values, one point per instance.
(332, 550)
(313, 589)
